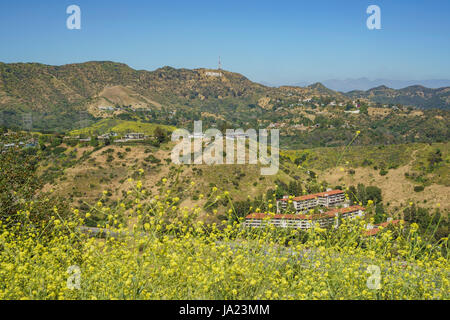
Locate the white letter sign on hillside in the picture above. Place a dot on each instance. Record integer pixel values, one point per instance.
(374, 21)
(74, 20)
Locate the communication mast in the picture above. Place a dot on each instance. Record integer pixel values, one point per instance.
(220, 64)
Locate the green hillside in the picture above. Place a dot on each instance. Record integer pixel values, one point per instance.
(59, 98)
(120, 127)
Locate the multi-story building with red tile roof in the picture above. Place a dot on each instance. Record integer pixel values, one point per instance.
(328, 198)
(302, 221)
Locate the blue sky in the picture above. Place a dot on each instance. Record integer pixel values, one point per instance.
(279, 42)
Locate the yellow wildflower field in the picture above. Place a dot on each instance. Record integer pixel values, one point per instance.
(167, 253)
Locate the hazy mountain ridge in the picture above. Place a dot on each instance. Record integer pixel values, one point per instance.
(416, 95)
(364, 84)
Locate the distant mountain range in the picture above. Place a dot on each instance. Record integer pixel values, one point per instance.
(417, 96)
(364, 84)
(425, 95)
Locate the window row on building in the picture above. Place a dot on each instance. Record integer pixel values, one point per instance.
(328, 198)
(302, 221)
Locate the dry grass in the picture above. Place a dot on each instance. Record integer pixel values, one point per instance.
(396, 188)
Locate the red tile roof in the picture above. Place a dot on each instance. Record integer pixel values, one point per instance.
(348, 209)
(329, 193)
(385, 224)
(328, 214)
(371, 232)
(314, 195)
(261, 216)
(376, 228)
(305, 197)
